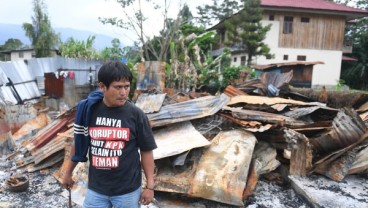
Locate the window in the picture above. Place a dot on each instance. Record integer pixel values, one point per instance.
(271, 17)
(304, 19)
(301, 58)
(268, 56)
(288, 24)
(243, 59)
(21, 54)
(33, 54)
(235, 59)
(286, 57)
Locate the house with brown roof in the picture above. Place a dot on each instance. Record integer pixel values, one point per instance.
(303, 30)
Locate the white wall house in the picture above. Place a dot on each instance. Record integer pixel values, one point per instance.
(303, 30)
(23, 54)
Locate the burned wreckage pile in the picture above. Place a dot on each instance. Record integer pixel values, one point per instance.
(218, 147)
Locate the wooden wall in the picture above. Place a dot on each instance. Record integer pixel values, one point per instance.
(322, 32)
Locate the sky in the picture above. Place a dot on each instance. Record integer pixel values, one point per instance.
(83, 14)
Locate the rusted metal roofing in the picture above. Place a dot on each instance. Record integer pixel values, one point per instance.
(37, 123)
(223, 169)
(252, 126)
(55, 145)
(48, 133)
(347, 129)
(300, 112)
(294, 63)
(263, 100)
(361, 162)
(150, 103)
(233, 91)
(301, 153)
(176, 139)
(188, 110)
(251, 115)
(337, 164)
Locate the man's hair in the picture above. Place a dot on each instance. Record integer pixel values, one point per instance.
(114, 71)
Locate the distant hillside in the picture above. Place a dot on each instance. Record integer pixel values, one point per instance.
(15, 31)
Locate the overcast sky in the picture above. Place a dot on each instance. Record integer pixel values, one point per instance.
(83, 14)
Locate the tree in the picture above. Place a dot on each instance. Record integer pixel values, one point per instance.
(136, 23)
(113, 53)
(40, 32)
(217, 12)
(131, 53)
(355, 74)
(187, 16)
(245, 31)
(79, 49)
(12, 44)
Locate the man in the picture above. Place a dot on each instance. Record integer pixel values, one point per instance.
(119, 141)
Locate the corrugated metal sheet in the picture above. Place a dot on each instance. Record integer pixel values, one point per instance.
(36, 123)
(150, 103)
(263, 100)
(222, 172)
(24, 74)
(233, 91)
(252, 126)
(300, 112)
(80, 67)
(176, 139)
(22, 79)
(251, 115)
(55, 145)
(48, 133)
(276, 79)
(188, 110)
(347, 129)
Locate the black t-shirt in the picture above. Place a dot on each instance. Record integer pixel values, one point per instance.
(116, 135)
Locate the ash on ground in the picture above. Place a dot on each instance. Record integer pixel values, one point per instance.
(46, 192)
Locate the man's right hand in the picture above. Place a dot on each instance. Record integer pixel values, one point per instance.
(67, 181)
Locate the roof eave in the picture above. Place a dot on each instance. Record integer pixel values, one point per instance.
(350, 15)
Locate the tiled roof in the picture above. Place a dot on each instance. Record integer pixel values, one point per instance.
(311, 4)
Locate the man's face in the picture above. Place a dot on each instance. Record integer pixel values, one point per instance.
(117, 93)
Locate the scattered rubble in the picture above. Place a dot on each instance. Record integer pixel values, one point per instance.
(246, 146)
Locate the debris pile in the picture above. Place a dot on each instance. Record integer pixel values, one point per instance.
(218, 147)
